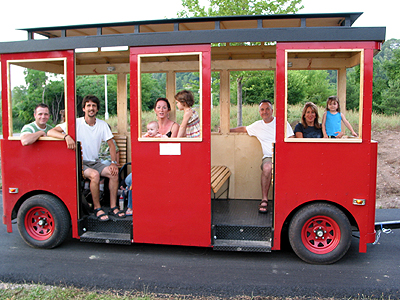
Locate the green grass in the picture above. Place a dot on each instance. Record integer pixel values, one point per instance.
(43, 292)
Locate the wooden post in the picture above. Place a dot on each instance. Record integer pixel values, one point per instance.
(341, 91)
(170, 93)
(122, 104)
(239, 101)
(224, 110)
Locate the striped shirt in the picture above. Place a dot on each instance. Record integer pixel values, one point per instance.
(32, 128)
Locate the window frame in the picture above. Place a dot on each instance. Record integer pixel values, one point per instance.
(9, 89)
(361, 56)
(199, 54)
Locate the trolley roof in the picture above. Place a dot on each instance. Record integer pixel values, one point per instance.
(225, 29)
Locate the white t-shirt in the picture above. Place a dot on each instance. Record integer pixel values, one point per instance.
(265, 133)
(91, 137)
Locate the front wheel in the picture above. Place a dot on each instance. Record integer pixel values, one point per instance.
(320, 233)
(43, 221)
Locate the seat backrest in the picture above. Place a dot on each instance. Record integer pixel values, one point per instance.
(121, 141)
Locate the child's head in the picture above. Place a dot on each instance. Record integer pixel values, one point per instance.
(185, 98)
(152, 128)
(333, 103)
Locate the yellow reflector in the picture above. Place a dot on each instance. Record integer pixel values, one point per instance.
(13, 190)
(359, 201)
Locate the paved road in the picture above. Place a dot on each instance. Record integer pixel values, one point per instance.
(199, 271)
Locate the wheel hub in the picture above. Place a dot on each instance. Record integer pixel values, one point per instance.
(42, 222)
(39, 223)
(319, 233)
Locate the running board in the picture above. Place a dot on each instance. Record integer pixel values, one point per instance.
(106, 238)
(241, 245)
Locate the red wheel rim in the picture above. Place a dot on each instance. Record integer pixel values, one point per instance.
(320, 234)
(39, 223)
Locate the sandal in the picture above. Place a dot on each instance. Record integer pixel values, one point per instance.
(263, 209)
(119, 214)
(129, 212)
(99, 217)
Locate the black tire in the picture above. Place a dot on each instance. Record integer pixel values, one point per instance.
(43, 221)
(320, 233)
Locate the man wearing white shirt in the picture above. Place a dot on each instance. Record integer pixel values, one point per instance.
(264, 130)
(91, 132)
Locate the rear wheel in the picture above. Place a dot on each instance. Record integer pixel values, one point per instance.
(320, 233)
(43, 221)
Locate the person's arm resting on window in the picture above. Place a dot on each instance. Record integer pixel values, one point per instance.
(30, 138)
(58, 133)
(241, 129)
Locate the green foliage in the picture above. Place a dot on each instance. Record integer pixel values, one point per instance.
(386, 87)
(252, 89)
(296, 87)
(389, 90)
(390, 104)
(90, 85)
(189, 81)
(41, 87)
(353, 88)
(257, 86)
(152, 88)
(317, 86)
(392, 66)
(31, 95)
(192, 8)
(215, 84)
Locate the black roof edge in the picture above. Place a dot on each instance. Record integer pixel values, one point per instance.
(353, 16)
(376, 34)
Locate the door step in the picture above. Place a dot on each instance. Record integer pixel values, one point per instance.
(106, 238)
(242, 232)
(242, 238)
(114, 231)
(245, 246)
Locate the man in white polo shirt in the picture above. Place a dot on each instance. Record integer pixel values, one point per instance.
(264, 130)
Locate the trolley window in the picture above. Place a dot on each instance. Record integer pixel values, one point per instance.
(338, 64)
(31, 82)
(162, 76)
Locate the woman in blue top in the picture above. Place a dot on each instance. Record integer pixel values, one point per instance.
(309, 126)
(332, 119)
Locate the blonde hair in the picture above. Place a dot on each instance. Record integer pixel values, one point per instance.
(154, 123)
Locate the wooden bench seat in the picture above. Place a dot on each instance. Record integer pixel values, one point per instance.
(219, 175)
(121, 141)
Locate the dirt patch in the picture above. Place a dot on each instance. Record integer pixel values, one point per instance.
(388, 178)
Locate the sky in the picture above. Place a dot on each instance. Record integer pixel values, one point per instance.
(17, 14)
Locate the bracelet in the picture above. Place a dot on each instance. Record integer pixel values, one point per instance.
(65, 136)
(113, 162)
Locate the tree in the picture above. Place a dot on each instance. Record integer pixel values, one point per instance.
(391, 98)
(258, 85)
(390, 101)
(192, 8)
(152, 89)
